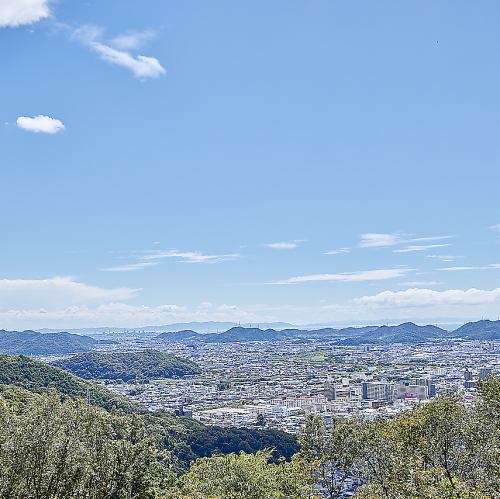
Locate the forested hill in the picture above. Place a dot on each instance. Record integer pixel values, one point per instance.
(128, 366)
(34, 343)
(407, 332)
(38, 377)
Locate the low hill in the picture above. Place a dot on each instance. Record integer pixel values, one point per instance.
(480, 330)
(34, 343)
(403, 333)
(176, 336)
(38, 377)
(127, 366)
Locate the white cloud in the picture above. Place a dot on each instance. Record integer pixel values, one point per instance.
(420, 247)
(338, 251)
(495, 228)
(189, 256)
(56, 292)
(133, 40)
(285, 245)
(381, 240)
(492, 266)
(40, 124)
(445, 258)
(360, 276)
(378, 240)
(142, 66)
(19, 12)
(416, 297)
(130, 267)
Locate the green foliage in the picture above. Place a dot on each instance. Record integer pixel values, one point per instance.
(127, 366)
(37, 377)
(67, 449)
(243, 476)
(334, 449)
(442, 449)
(208, 440)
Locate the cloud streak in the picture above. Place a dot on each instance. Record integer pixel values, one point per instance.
(189, 256)
(338, 251)
(141, 66)
(492, 266)
(133, 40)
(285, 245)
(130, 267)
(360, 276)
(420, 247)
(383, 240)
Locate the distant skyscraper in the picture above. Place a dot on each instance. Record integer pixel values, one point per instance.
(376, 391)
(485, 373)
(467, 375)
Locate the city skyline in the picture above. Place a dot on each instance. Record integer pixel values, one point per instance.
(323, 163)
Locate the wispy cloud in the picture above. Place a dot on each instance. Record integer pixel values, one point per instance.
(189, 256)
(338, 251)
(40, 124)
(445, 258)
(140, 65)
(378, 240)
(430, 298)
(382, 240)
(130, 267)
(420, 247)
(285, 244)
(15, 13)
(360, 276)
(481, 267)
(495, 228)
(133, 40)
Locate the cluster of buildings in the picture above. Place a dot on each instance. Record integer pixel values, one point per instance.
(277, 384)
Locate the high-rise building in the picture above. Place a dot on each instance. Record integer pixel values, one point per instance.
(467, 375)
(485, 373)
(376, 391)
(329, 390)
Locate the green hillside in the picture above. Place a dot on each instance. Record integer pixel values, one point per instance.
(128, 366)
(38, 377)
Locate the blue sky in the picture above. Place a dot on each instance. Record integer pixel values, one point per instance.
(254, 161)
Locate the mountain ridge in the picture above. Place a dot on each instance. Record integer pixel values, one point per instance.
(407, 332)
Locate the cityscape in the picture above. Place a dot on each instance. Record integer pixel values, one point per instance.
(279, 384)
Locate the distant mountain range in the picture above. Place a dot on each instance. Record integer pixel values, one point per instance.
(35, 343)
(60, 343)
(407, 332)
